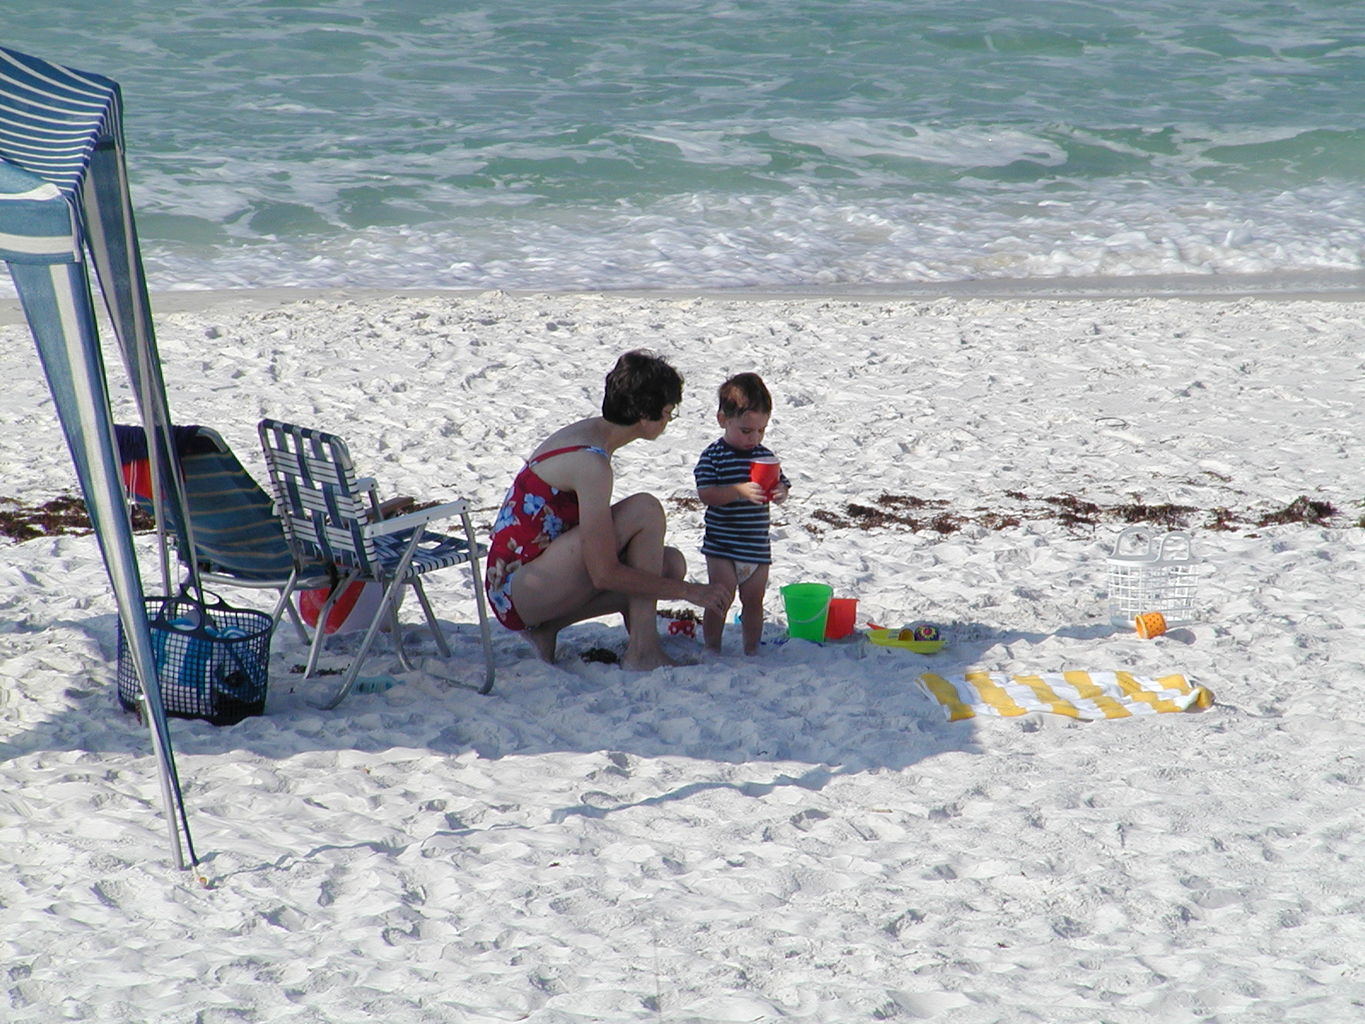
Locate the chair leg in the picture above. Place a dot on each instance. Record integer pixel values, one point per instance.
(487, 637)
(287, 606)
(396, 632)
(320, 632)
(284, 605)
(481, 604)
(319, 640)
(387, 607)
(436, 633)
(348, 680)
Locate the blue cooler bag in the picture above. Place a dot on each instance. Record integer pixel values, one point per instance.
(212, 660)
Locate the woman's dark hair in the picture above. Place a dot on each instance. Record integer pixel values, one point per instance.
(744, 392)
(638, 388)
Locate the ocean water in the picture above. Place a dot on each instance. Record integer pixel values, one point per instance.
(565, 144)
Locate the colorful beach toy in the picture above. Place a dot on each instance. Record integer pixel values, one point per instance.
(918, 637)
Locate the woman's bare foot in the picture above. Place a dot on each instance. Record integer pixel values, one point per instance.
(543, 639)
(645, 661)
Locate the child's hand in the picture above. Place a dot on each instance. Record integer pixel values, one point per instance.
(750, 491)
(780, 493)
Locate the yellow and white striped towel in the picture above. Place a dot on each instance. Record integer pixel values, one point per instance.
(1087, 695)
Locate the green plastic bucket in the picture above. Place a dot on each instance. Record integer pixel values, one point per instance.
(807, 607)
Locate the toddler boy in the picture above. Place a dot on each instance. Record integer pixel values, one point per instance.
(736, 543)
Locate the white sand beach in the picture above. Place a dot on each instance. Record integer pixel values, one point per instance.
(797, 836)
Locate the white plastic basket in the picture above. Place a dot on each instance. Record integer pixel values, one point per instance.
(1151, 572)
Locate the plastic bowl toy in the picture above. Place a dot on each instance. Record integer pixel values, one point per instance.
(918, 637)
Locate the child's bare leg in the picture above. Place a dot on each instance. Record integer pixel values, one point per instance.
(751, 593)
(718, 570)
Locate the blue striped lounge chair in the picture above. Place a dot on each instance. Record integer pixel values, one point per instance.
(238, 539)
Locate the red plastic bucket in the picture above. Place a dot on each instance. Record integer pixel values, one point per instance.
(839, 620)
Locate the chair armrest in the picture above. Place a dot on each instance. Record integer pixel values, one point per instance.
(413, 520)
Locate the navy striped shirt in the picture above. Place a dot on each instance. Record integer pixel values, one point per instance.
(738, 530)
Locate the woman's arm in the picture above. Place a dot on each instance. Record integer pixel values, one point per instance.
(602, 558)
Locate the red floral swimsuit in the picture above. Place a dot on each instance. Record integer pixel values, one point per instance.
(532, 515)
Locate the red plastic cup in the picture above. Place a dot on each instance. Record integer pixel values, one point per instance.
(767, 473)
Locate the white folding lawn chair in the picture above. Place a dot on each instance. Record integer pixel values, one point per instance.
(330, 513)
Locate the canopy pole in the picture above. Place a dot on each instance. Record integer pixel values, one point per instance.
(63, 329)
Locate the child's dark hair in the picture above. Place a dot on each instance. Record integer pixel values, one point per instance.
(744, 392)
(639, 387)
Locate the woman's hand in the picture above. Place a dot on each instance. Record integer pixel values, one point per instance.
(714, 597)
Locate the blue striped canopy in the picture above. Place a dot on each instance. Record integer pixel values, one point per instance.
(64, 201)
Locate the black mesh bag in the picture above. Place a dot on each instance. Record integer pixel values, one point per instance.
(212, 660)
